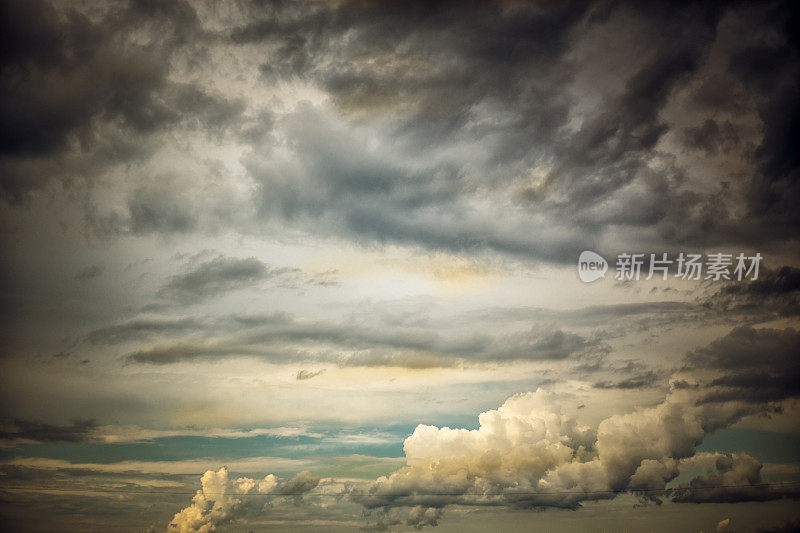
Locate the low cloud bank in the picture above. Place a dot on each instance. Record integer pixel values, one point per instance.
(529, 453)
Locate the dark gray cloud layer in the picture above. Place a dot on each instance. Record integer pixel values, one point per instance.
(76, 432)
(754, 365)
(519, 62)
(78, 95)
(217, 276)
(282, 338)
(462, 103)
(776, 292)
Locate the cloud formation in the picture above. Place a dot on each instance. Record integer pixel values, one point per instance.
(286, 189)
(78, 431)
(418, 143)
(282, 338)
(216, 276)
(528, 453)
(532, 452)
(221, 499)
(729, 478)
(750, 365)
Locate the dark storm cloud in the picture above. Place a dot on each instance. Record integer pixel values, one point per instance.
(462, 53)
(75, 86)
(747, 348)
(76, 432)
(455, 126)
(752, 365)
(712, 137)
(773, 70)
(782, 281)
(775, 293)
(486, 59)
(615, 145)
(353, 345)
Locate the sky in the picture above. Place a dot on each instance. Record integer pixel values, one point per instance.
(314, 266)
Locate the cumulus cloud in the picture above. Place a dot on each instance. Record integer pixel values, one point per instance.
(214, 504)
(729, 478)
(221, 499)
(420, 516)
(528, 453)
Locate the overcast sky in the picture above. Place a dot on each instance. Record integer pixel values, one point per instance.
(285, 266)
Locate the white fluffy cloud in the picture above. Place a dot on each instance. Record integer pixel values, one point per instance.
(221, 499)
(528, 453)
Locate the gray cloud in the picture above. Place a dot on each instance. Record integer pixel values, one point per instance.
(518, 133)
(216, 276)
(78, 431)
(154, 210)
(365, 342)
(145, 328)
(462, 105)
(82, 93)
(638, 381)
(608, 158)
(561, 464)
(282, 339)
(307, 374)
(712, 137)
(299, 484)
(731, 478)
(776, 293)
(751, 365)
